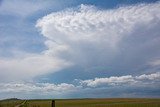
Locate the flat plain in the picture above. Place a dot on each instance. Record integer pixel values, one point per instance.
(112, 102)
(105, 102)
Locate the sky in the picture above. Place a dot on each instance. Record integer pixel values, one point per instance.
(79, 49)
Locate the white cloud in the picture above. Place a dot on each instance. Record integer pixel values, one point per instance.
(90, 24)
(84, 24)
(92, 86)
(110, 81)
(122, 80)
(95, 36)
(42, 88)
(87, 36)
(36, 90)
(29, 66)
(154, 76)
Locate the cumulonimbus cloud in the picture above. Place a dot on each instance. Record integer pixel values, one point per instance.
(89, 37)
(125, 38)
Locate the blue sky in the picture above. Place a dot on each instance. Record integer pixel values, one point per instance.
(79, 48)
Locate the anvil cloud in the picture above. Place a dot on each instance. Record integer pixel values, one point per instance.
(106, 48)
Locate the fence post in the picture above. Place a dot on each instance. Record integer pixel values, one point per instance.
(53, 103)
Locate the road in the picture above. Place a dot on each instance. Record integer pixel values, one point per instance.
(21, 103)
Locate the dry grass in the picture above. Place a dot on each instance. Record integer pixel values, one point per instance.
(38, 103)
(109, 103)
(10, 103)
(118, 102)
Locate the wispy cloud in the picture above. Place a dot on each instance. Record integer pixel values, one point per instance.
(25, 8)
(20, 8)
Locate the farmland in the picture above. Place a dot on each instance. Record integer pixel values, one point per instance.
(108, 102)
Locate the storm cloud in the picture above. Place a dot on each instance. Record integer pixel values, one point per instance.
(121, 44)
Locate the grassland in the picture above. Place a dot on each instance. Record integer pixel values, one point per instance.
(10, 102)
(38, 103)
(118, 102)
(109, 103)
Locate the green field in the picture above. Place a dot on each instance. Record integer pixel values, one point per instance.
(108, 102)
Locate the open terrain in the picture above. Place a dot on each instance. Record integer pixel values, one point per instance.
(10, 102)
(108, 102)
